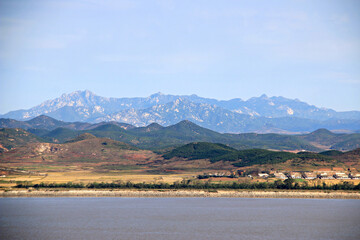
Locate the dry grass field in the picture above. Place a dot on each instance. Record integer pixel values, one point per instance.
(89, 176)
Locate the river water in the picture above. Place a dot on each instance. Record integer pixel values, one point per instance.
(178, 218)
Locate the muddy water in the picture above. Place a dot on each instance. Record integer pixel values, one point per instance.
(178, 218)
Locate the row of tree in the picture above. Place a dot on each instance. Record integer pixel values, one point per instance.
(189, 184)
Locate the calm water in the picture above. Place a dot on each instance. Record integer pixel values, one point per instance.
(178, 218)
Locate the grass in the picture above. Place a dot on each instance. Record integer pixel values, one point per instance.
(90, 176)
(119, 167)
(135, 176)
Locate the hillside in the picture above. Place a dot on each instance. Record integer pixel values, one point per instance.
(153, 127)
(81, 137)
(186, 132)
(271, 141)
(88, 152)
(219, 152)
(243, 158)
(14, 137)
(60, 135)
(350, 158)
(42, 122)
(157, 137)
(326, 139)
(200, 150)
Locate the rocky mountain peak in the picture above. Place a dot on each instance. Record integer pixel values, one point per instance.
(223, 115)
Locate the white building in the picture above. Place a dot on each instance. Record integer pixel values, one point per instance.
(263, 175)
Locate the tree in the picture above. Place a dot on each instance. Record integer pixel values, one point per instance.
(288, 183)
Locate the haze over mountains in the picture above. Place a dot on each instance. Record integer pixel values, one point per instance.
(258, 114)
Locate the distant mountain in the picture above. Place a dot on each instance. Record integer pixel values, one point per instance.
(258, 114)
(275, 107)
(153, 127)
(49, 123)
(119, 124)
(325, 138)
(85, 105)
(42, 122)
(206, 115)
(155, 136)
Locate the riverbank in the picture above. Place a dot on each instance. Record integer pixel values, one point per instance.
(181, 193)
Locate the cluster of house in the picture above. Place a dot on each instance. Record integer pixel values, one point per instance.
(217, 175)
(285, 175)
(312, 175)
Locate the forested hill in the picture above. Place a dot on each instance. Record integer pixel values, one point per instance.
(242, 158)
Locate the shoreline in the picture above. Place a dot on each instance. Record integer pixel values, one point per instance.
(180, 194)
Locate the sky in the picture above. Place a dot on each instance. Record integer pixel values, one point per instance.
(226, 49)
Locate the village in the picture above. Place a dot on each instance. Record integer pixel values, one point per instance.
(327, 174)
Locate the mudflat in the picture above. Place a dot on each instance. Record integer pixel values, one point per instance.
(182, 193)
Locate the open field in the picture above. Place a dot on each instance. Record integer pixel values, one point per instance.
(136, 176)
(90, 176)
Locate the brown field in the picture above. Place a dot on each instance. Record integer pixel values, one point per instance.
(105, 160)
(88, 176)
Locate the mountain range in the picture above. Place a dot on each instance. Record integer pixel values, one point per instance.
(258, 114)
(14, 133)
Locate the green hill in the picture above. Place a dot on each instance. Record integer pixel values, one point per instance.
(219, 152)
(332, 153)
(322, 136)
(270, 141)
(81, 137)
(200, 150)
(349, 141)
(259, 156)
(60, 135)
(239, 158)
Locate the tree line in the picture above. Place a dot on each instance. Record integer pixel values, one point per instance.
(197, 185)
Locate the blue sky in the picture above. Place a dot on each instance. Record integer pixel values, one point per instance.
(308, 50)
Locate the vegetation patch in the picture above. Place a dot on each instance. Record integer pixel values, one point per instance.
(219, 152)
(119, 167)
(188, 184)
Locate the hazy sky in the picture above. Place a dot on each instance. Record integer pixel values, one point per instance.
(221, 49)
